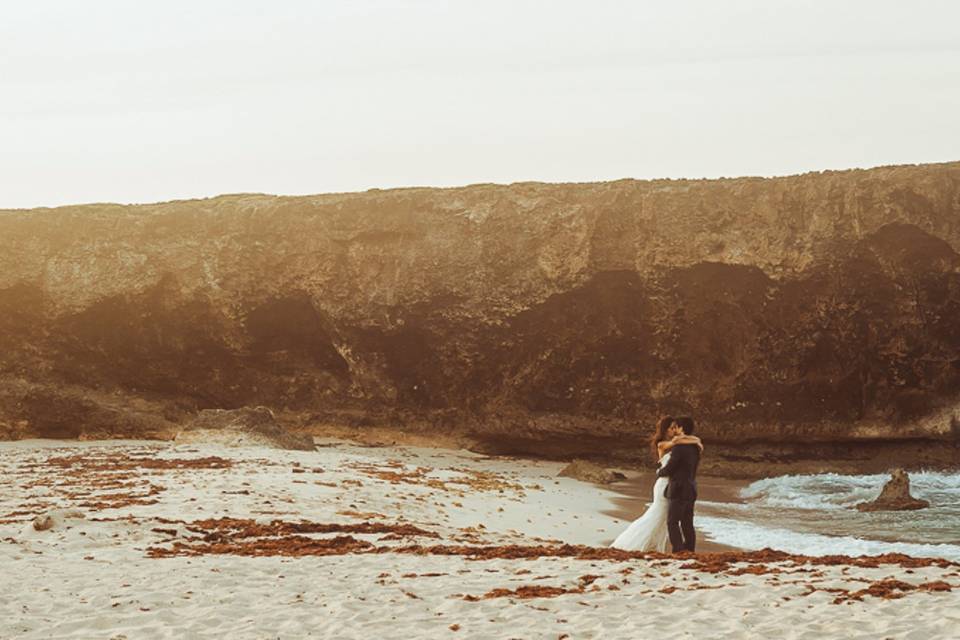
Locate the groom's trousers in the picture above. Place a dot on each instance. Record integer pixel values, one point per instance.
(680, 525)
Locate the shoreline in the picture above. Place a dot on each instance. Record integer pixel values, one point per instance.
(616, 505)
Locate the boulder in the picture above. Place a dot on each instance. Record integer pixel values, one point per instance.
(895, 496)
(43, 522)
(246, 427)
(590, 472)
(9, 431)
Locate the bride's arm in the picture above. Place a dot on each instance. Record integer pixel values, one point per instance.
(687, 440)
(665, 445)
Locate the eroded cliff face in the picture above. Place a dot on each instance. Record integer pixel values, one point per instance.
(812, 309)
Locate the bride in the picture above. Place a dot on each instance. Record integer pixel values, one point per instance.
(649, 531)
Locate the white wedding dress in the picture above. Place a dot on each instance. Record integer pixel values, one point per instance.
(649, 531)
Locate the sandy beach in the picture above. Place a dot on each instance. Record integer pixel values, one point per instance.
(154, 540)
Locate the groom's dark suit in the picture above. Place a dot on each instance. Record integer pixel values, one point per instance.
(681, 492)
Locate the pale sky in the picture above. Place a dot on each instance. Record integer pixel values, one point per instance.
(136, 101)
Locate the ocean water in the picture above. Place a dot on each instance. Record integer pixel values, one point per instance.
(814, 515)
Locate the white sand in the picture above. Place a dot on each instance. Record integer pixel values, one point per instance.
(94, 579)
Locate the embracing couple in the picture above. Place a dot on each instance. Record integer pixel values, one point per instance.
(670, 515)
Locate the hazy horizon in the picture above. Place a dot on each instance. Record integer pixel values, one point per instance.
(112, 102)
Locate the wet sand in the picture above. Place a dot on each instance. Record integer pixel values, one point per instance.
(636, 494)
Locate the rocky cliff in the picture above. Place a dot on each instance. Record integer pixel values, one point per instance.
(803, 313)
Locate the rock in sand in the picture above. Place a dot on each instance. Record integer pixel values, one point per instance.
(246, 427)
(590, 472)
(55, 519)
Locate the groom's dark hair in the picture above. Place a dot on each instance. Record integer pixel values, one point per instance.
(685, 423)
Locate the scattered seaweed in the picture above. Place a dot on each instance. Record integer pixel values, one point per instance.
(396, 473)
(96, 480)
(887, 589)
(244, 537)
(92, 462)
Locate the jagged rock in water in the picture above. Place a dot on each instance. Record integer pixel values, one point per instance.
(246, 427)
(895, 496)
(590, 472)
(791, 316)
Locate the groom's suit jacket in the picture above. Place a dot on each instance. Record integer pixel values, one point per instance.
(681, 469)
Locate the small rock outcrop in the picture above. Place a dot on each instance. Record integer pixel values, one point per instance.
(246, 427)
(895, 496)
(590, 472)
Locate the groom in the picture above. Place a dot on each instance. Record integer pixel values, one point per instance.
(681, 492)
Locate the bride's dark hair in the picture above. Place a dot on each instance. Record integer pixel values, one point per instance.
(659, 435)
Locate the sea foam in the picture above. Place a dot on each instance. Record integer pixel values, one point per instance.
(751, 536)
(835, 491)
